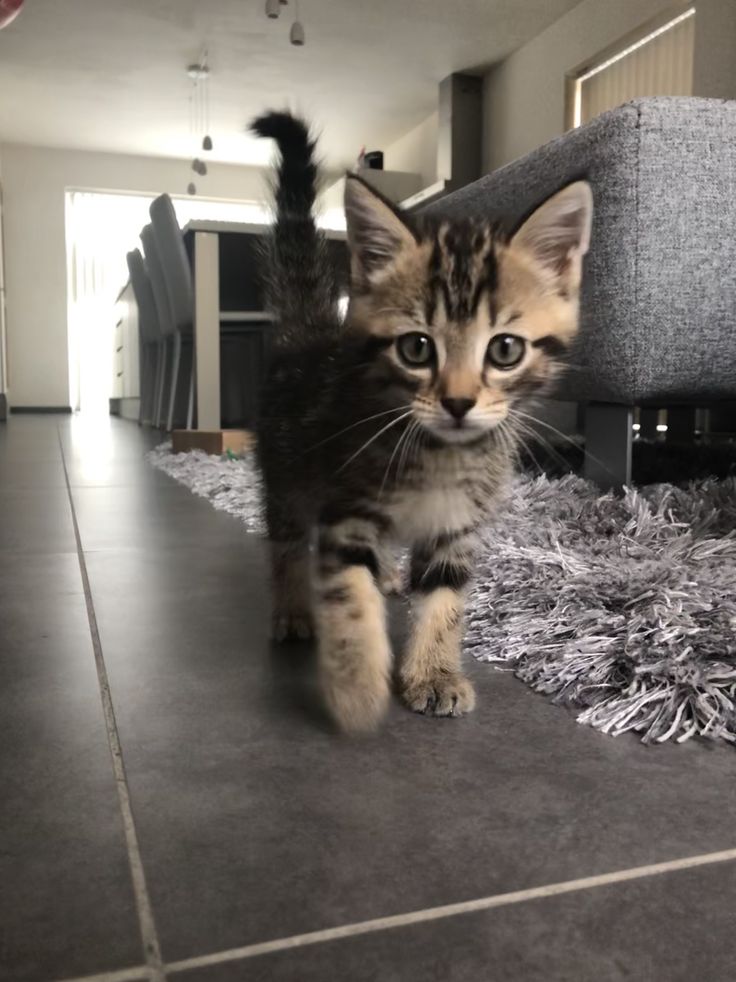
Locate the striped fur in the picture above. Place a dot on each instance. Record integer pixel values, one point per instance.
(299, 282)
(362, 447)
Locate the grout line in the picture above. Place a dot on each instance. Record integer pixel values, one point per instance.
(149, 936)
(450, 910)
(140, 972)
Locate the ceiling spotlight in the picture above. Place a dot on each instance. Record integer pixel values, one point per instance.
(273, 8)
(296, 35)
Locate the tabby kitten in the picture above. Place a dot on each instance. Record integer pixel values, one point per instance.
(398, 424)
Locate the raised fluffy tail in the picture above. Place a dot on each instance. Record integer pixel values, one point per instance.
(300, 279)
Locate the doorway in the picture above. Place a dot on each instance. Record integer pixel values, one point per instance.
(101, 227)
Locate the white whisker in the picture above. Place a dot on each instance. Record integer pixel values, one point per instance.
(367, 444)
(509, 440)
(401, 439)
(564, 436)
(367, 419)
(545, 444)
(525, 446)
(409, 447)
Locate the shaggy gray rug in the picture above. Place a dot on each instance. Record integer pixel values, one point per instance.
(622, 608)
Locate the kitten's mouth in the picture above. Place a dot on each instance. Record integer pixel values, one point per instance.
(465, 430)
(458, 431)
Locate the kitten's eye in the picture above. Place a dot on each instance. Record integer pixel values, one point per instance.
(415, 349)
(506, 350)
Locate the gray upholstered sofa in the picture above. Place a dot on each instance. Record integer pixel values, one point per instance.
(659, 299)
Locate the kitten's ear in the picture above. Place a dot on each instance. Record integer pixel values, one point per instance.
(376, 233)
(558, 232)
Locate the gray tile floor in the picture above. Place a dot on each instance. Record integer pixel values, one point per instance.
(263, 846)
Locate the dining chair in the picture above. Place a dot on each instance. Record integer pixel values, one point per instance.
(178, 279)
(165, 317)
(149, 334)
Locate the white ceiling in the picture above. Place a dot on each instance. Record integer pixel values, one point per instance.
(110, 74)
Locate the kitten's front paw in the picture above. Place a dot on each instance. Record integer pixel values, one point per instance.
(291, 626)
(355, 684)
(443, 695)
(356, 708)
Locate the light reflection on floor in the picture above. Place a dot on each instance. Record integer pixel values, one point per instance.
(92, 445)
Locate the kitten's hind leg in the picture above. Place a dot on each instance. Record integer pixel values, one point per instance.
(354, 649)
(291, 618)
(291, 573)
(431, 675)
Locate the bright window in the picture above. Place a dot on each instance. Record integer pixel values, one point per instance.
(659, 63)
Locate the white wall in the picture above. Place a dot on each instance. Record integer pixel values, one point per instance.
(3, 341)
(416, 151)
(524, 96)
(34, 181)
(714, 68)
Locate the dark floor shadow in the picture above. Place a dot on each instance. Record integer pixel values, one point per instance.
(293, 667)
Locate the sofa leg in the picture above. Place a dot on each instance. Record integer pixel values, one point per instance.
(648, 419)
(608, 440)
(681, 424)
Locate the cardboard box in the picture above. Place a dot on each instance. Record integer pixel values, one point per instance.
(213, 441)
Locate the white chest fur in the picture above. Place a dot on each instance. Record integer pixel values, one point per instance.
(424, 514)
(447, 491)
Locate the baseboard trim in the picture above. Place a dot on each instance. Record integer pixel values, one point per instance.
(41, 409)
(126, 407)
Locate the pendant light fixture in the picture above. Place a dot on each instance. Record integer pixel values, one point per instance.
(199, 114)
(296, 34)
(273, 8)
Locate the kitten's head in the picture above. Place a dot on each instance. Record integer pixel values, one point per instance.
(471, 321)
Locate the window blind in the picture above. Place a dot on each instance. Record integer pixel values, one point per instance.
(661, 64)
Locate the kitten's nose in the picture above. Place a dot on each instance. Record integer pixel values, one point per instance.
(457, 408)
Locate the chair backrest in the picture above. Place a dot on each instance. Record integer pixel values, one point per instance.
(158, 283)
(147, 314)
(174, 261)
